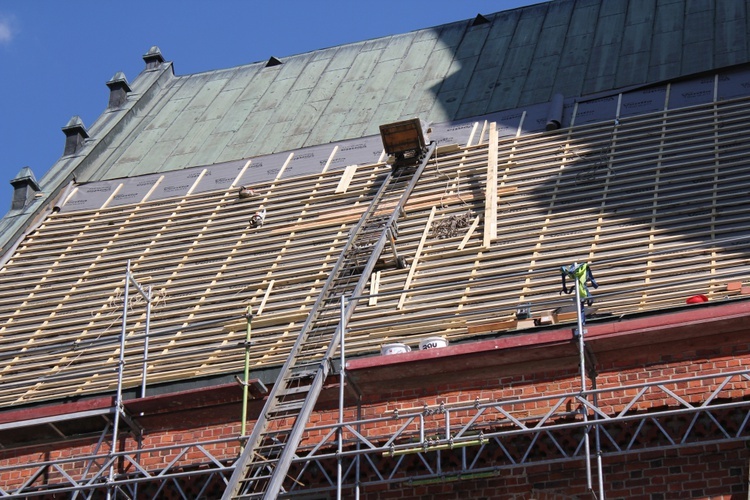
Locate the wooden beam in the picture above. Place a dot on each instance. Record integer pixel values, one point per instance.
(415, 260)
(468, 234)
(490, 201)
(374, 288)
(346, 178)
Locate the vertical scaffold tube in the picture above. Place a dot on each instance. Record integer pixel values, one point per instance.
(342, 378)
(120, 368)
(246, 380)
(582, 361)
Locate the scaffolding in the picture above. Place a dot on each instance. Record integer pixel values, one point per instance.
(499, 435)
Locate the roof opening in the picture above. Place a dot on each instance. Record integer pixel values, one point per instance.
(273, 62)
(479, 20)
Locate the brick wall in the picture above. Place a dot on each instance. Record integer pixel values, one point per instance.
(701, 471)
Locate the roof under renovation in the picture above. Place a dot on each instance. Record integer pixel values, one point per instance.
(568, 131)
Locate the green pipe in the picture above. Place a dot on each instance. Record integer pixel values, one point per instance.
(249, 317)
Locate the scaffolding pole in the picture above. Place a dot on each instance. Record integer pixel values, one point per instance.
(342, 379)
(584, 409)
(246, 382)
(120, 368)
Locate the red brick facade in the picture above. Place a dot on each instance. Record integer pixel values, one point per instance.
(713, 467)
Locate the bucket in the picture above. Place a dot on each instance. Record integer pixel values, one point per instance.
(396, 348)
(432, 343)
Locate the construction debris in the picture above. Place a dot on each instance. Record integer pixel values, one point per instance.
(246, 192)
(258, 218)
(449, 226)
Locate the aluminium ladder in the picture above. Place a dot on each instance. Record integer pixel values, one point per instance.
(261, 469)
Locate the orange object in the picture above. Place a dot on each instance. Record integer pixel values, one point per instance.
(734, 286)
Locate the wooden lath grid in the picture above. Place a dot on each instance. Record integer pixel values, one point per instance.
(605, 193)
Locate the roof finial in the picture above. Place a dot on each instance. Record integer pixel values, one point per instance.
(118, 90)
(75, 135)
(153, 58)
(24, 188)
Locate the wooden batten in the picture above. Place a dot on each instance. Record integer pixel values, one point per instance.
(490, 201)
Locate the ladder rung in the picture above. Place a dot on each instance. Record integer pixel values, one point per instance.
(294, 390)
(288, 406)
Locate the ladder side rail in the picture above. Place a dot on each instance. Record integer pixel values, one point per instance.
(257, 433)
(295, 435)
(429, 151)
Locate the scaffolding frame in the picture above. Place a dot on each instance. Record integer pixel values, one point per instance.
(430, 435)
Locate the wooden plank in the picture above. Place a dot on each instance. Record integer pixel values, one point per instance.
(490, 202)
(346, 178)
(374, 289)
(415, 259)
(468, 234)
(265, 298)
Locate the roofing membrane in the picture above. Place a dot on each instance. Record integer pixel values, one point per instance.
(701, 89)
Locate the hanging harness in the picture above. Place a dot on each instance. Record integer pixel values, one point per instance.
(581, 273)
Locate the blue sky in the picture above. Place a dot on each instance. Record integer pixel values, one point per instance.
(55, 57)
